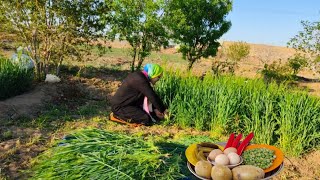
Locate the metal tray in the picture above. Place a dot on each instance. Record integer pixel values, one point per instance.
(267, 176)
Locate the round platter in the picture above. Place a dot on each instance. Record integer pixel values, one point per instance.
(267, 176)
(272, 171)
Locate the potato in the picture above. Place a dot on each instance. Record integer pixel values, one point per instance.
(214, 153)
(220, 172)
(229, 150)
(222, 159)
(247, 172)
(203, 169)
(234, 158)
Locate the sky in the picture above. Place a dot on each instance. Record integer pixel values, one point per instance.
(271, 22)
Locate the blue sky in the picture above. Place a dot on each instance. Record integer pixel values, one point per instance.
(271, 22)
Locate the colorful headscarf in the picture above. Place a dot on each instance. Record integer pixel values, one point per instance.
(153, 70)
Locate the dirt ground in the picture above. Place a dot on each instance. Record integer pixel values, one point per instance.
(24, 133)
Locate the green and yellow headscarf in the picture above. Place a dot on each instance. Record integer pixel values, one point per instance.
(153, 70)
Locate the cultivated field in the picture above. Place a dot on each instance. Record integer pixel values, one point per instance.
(35, 121)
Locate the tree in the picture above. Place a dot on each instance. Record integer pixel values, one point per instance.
(197, 25)
(139, 23)
(308, 41)
(53, 29)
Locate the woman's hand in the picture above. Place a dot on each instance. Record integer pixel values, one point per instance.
(166, 113)
(161, 115)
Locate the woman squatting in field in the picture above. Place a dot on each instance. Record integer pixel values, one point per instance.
(130, 102)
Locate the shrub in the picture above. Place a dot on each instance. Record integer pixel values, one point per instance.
(237, 51)
(227, 60)
(276, 72)
(315, 64)
(14, 79)
(297, 62)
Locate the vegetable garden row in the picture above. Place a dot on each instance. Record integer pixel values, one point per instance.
(277, 114)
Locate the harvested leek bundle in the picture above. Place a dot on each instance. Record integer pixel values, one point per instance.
(98, 154)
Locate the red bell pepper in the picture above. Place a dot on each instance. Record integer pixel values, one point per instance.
(230, 141)
(236, 141)
(244, 143)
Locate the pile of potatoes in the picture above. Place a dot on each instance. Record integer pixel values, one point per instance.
(228, 157)
(221, 172)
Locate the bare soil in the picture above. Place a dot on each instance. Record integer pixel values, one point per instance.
(26, 105)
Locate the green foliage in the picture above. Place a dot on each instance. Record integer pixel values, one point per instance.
(6, 40)
(297, 62)
(139, 23)
(6, 135)
(227, 60)
(14, 79)
(298, 118)
(276, 72)
(53, 29)
(98, 154)
(308, 41)
(237, 51)
(317, 59)
(226, 104)
(316, 63)
(197, 25)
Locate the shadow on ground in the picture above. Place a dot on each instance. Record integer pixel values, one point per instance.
(306, 80)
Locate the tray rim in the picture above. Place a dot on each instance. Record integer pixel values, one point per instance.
(202, 178)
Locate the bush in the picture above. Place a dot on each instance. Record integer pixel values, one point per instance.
(227, 60)
(276, 72)
(315, 64)
(297, 62)
(237, 51)
(14, 79)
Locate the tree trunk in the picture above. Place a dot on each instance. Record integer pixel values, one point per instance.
(59, 65)
(191, 61)
(38, 72)
(134, 58)
(61, 56)
(37, 64)
(140, 61)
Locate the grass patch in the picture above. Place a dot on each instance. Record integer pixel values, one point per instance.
(166, 58)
